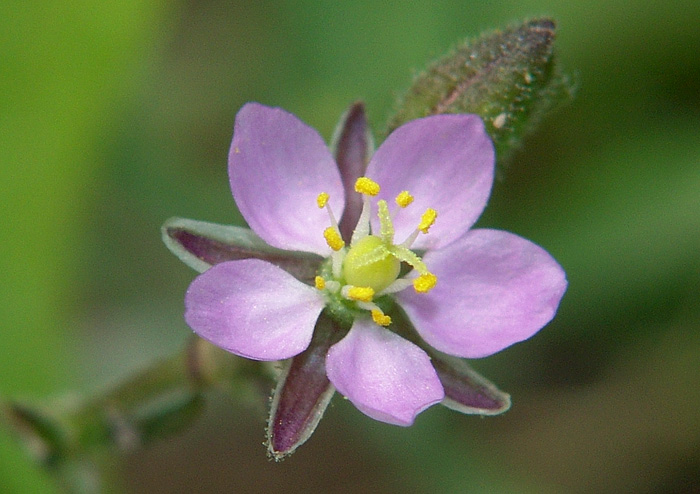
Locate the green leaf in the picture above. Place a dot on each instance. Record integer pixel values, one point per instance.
(509, 78)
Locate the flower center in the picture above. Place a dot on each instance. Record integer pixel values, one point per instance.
(370, 267)
(369, 263)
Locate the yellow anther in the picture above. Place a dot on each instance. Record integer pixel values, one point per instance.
(425, 282)
(427, 220)
(366, 186)
(320, 283)
(333, 238)
(360, 293)
(380, 318)
(404, 199)
(322, 199)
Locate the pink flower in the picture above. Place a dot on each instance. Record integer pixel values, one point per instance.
(467, 292)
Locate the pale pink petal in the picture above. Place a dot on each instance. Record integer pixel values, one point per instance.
(494, 289)
(383, 375)
(277, 167)
(447, 163)
(253, 309)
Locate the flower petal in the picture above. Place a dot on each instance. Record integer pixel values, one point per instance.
(253, 309)
(447, 163)
(277, 167)
(383, 375)
(494, 289)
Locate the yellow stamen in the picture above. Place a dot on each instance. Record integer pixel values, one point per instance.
(366, 186)
(322, 199)
(404, 199)
(361, 293)
(425, 282)
(333, 238)
(320, 283)
(427, 220)
(380, 318)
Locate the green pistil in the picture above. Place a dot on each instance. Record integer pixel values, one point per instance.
(409, 257)
(386, 227)
(370, 263)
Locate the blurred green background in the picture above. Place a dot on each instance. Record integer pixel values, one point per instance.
(116, 115)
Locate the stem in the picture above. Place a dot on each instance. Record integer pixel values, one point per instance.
(155, 403)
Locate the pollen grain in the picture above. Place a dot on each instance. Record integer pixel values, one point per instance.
(367, 186)
(427, 220)
(404, 199)
(322, 200)
(333, 238)
(425, 282)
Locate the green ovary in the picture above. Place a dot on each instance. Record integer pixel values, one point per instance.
(369, 263)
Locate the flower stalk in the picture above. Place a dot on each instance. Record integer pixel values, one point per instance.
(156, 403)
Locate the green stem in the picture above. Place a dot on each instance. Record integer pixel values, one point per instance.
(159, 401)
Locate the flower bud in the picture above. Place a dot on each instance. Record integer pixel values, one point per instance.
(509, 78)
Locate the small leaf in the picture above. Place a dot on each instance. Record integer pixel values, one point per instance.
(303, 393)
(509, 78)
(200, 245)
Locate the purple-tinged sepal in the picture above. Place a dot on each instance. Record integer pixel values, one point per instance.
(352, 146)
(302, 394)
(201, 244)
(466, 390)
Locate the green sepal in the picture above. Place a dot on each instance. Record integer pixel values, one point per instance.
(510, 78)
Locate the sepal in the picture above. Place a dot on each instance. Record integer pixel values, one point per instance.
(303, 392)
(467, 391)
(201, 244)
(352, 146)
